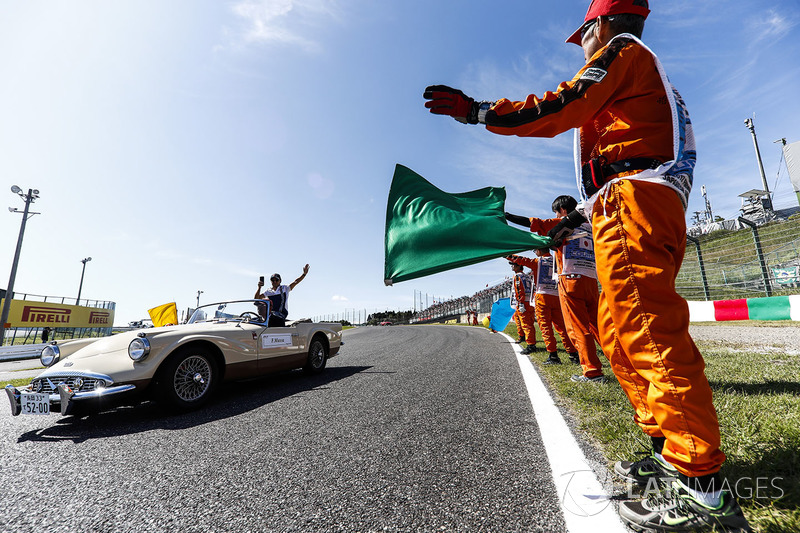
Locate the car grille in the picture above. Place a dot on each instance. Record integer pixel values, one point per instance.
(76, 383)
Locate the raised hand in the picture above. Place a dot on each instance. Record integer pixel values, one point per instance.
(444, 100)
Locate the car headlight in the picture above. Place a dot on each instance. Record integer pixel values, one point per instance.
(139, 348)
(50, 355)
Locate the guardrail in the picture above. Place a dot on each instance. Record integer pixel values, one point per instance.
(20, 351)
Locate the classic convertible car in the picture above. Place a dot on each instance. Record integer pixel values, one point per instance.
(179, 366)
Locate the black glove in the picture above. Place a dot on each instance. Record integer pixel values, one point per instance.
(564, 229)
(445, 100)
(516, 219)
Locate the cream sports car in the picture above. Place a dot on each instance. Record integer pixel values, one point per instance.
(179, 366)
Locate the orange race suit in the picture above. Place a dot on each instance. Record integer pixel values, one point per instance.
(577, 292)
(635, 157)
(525, 313)
(518, 323)
(546, 302)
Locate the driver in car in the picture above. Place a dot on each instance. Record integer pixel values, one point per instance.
(278, 296)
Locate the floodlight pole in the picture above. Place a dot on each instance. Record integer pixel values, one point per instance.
(751, 126)
(198, 298)
(28, 198)
(83, 271)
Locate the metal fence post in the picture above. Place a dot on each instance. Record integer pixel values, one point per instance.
(696, 243)
(760, 253)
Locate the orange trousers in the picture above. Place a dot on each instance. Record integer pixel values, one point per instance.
(526, 324)
(579, 299)
(640, 238)
(549, 317)
(518, 323)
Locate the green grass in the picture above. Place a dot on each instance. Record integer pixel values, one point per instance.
(757, 397)
(16, 382)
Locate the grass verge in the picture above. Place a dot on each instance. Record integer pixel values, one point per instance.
(16, 382)
(757, 398)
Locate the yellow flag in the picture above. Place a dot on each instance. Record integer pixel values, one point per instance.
(164, 315)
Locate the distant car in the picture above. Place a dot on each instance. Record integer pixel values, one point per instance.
(180, 366)
(386, 323)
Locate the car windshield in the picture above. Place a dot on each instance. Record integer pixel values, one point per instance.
(255, 311)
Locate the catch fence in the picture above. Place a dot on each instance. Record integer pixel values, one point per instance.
(480, 302)
(751, 262)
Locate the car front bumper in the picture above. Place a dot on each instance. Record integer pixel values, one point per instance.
(65, 397)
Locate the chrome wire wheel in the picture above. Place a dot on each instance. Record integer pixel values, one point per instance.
(192, 378)
(316, 355)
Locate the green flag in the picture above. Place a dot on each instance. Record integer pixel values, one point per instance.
(430, 231)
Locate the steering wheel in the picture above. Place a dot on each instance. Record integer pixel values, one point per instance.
(247, 316)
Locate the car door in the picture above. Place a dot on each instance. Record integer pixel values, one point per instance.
(239, 344)
(278, 349)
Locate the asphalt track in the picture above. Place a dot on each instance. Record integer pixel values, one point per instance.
(418, 428)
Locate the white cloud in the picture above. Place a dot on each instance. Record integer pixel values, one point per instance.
(284, 22)
(339, 298)
(320, 185)
(771, 26)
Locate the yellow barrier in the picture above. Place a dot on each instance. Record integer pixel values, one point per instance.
(28, 314)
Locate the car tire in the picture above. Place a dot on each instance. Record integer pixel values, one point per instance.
(188, 379)
(317, 356)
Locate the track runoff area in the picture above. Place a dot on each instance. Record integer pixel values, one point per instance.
(586, 505)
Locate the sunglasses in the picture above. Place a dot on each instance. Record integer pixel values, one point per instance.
(586, 27)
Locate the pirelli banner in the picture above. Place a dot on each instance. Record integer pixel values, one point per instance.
(28, 314)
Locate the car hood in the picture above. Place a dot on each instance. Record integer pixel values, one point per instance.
(120, 341)
(109, 355)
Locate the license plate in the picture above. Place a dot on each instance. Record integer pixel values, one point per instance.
(35, 404)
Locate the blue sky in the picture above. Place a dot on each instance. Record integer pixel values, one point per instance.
(195, 145)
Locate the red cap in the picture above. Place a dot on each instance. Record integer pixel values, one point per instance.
(604, 8)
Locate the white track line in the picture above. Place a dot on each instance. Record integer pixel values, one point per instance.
(585, 504)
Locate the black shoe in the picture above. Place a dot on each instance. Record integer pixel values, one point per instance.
(574, 358)
(552, 360)
(645, 469)
(674, 509)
